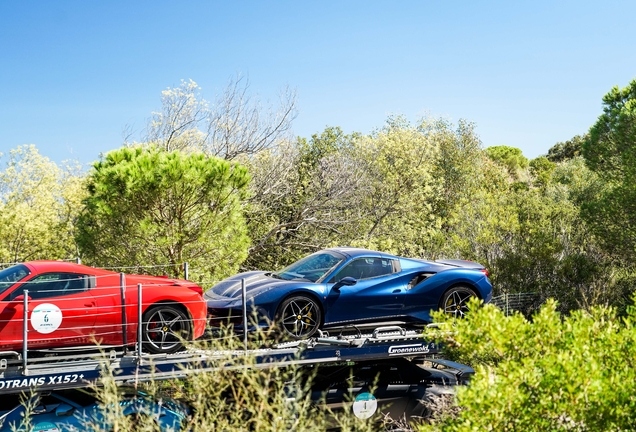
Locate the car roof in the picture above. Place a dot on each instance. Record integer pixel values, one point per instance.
(355, 252)
(43, 266)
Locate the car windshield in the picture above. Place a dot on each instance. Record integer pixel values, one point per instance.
(311, 268)
(11, 275)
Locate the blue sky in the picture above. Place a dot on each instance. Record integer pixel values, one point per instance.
(73, 74)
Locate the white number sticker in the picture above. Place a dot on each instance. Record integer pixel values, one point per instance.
(46, 318)
(365, 405)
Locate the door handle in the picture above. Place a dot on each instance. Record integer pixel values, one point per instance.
(91, 304)
(396, 290)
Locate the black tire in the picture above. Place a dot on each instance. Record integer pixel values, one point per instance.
(299, 317)
(455, 301)
(165, 327)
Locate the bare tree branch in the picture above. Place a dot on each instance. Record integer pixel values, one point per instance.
(237, 125)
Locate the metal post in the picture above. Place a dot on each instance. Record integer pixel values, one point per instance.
(507, 305)
(124, 321)
(244, 295)
(78, 260)
(25, 329)
(185, 271)
(140, 324)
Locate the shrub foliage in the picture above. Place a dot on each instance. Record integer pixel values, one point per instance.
(574, 373)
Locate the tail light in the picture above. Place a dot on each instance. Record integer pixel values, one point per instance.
(484, 271)
(196, 288)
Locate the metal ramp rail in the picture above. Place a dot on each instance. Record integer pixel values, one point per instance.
(76, 369)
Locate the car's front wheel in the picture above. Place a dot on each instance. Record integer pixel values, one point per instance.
(455, 301)
(299, 317)
(164, 328)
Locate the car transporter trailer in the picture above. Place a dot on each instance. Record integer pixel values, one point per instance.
(63, 369)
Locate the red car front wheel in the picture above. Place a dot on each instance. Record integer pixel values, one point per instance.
(165, 328)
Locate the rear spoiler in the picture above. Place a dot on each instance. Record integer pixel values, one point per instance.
(463, 264)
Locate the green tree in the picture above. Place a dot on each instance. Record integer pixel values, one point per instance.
(457, 164)
(551, 373)
(331, 141)
(399, 162)
(541, 168)
(531, 236)
(37, 207)
(569, 149)
(510, 157)
(149, 206)
(550, 249)
(610, 151)
(304, 196)
(484, 220)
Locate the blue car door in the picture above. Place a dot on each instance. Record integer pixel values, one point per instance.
(375, 295)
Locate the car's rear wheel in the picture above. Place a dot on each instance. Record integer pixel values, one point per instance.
(164, 328)
(299, 317)
(455, 301)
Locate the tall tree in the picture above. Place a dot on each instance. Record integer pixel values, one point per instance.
(36, 207)
(399, 162)
(149, 206)
(610, 151)
(510, 157)
(458, 163)
(569, 149)
(305, 196)
(542, 168)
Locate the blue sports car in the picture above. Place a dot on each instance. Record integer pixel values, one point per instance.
(344, 286)
(79, 410)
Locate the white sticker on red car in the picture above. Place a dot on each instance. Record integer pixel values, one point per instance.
(365, 405)
(46, 318)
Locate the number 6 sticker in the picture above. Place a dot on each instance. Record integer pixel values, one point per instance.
(46, 318)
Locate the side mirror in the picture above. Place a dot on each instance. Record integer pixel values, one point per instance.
(20, 298)
(345, 281)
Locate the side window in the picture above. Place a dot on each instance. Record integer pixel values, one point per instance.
(367, 268)
(54, 285)
(383, 267)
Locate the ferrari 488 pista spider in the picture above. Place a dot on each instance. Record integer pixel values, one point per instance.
(346, 286)
(71, 305)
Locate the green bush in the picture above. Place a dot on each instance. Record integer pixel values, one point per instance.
(242, 395)
(548, 373)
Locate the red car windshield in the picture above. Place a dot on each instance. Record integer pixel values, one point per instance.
(11, 275)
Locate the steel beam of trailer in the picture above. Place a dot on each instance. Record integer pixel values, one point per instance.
(73, 370)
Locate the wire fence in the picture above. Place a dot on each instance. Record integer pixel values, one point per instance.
(524, 303)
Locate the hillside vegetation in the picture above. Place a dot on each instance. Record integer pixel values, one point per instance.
(228, 191)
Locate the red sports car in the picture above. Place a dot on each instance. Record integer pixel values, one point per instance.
(71, 305)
